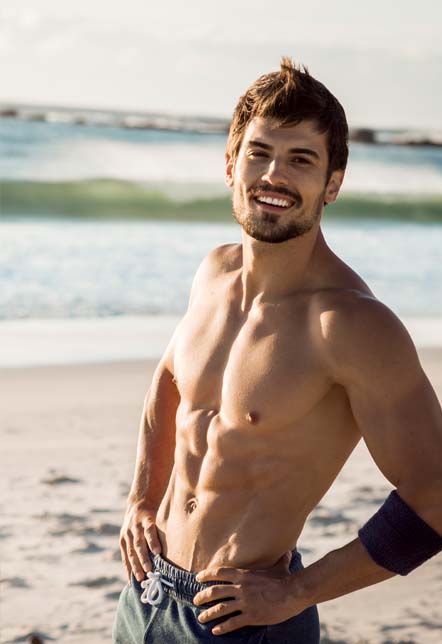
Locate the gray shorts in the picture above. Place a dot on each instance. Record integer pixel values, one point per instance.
(172, 618)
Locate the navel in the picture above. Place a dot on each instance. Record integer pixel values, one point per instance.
(252, 417)
(191, 505)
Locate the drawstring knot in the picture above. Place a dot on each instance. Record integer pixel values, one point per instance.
(153, 589)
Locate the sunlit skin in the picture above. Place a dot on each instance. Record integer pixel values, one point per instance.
(283, 361)
(276, 165)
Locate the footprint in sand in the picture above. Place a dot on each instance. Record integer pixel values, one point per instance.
(368, 489)
(368, 500)
(89, 548)
(32, 638)
(397, 642)
(98, 582)
(14, 582)
(60, 480)
(115, 555)
(4, 534)
(101, 530)
(324, 517)
(63, 517)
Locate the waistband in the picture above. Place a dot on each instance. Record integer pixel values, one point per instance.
(168, 578)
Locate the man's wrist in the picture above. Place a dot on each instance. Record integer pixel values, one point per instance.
(142, 501)
(337, 573)
(300, 590)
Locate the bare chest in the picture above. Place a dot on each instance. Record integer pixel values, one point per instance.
(261, 369)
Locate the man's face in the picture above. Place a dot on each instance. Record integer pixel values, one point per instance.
(279, 180)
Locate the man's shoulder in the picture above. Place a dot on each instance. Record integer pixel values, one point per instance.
(354, 329)
(351, 309)
(225, 257)
(221, 259)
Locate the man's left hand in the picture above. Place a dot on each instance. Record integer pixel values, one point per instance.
(262, 596)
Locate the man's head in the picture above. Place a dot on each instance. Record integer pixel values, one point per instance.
(288, 137)
(288, 97)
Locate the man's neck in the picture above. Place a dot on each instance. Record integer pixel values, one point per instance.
(271, 271)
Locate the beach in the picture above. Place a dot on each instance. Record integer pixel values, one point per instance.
(104, 221)
(68, 450)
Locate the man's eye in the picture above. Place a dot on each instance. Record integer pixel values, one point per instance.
(257, 154)
(300, 160)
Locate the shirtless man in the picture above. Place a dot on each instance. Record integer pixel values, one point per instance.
(283, 361)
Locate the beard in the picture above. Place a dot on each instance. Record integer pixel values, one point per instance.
(275, 229)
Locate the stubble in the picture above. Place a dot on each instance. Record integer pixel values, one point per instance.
(277, 228)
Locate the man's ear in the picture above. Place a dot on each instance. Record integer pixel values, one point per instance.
(230, 165)
(333, 186)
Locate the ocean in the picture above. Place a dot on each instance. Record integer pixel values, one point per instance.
(103, 227)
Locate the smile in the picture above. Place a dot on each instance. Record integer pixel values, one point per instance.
(274, 202)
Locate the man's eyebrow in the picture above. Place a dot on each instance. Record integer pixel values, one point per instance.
(265, 146)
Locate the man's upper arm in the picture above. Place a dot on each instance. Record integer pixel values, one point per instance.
(163, 391)
(372, 355)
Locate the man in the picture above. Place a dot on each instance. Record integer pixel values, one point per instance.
(283, 361)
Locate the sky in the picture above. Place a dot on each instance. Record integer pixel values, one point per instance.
(383, 59)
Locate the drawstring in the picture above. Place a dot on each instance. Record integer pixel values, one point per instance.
(153, 590)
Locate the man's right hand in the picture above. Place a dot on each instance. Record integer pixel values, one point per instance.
(138, 535)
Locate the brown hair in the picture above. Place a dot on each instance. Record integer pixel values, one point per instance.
(290, 96)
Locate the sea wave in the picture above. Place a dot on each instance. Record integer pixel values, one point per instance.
(114, 198)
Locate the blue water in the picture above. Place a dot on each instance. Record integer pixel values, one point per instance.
(71, 269)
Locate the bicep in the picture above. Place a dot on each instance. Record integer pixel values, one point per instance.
(400, 422)
(162, 398)
(393, 403)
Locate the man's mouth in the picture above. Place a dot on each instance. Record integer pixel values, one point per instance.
(276, 203)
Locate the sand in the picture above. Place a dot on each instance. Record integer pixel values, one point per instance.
(68, 449)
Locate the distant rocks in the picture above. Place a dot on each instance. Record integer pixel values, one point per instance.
(9, 113)
(105, 118)
(363, 135)
(193, 124)
(395, 137)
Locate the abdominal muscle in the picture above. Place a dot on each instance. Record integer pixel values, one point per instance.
(239, 497)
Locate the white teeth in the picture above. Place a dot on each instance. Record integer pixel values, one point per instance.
(274, 202)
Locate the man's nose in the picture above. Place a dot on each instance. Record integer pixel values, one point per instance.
(276, 173)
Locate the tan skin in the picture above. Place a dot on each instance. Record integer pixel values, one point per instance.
(283, 361)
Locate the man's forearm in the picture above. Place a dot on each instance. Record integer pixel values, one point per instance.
(153, 465)
(156, 446)
(338, 573)
(148, 481)
(154, 462)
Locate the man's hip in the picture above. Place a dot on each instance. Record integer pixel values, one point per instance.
(160, 610)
